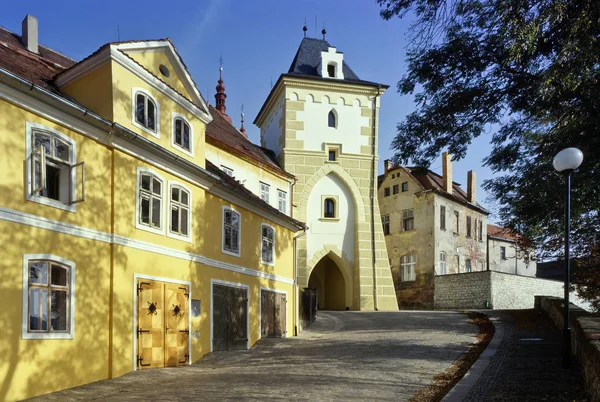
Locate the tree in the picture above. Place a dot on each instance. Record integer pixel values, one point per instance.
(529, 71)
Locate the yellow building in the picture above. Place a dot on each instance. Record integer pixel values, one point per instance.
(124, 246)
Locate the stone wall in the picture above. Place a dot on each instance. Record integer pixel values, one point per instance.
(503, 291)
(585, 340)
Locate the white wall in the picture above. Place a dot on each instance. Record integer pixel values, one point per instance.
(272, 132)
(509, 265)
(340, 233)
(349, 118)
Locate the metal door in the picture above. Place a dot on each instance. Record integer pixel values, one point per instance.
(230, 319)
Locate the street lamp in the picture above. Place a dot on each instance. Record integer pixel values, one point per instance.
(566, 161)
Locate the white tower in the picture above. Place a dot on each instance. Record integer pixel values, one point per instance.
(322, 121)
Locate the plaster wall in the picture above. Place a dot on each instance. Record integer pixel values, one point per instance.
(271, 133)
(515, 261)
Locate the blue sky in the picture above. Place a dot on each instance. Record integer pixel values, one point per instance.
(257, 39)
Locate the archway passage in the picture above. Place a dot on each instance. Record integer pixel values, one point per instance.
(327, 278)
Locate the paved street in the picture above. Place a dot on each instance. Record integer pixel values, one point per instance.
(528, 363)
(345, 356)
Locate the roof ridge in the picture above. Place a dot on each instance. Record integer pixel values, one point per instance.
(49, 49)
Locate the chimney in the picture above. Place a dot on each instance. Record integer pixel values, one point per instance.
(387, 165)
(447, 171)
(471, 186)
(29, 34)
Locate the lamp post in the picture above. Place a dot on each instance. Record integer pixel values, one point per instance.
(566, 161)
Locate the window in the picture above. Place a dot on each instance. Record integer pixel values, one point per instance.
(182, 134)
(145, 112)
(180, 220)
(502, 253)
(231, 231)
(385, 221)
(48, 303)
(386, 192)
(480, 230)
(457, 263)
(396, 189)
(443, 218)
(468, 226)
(332, 119)
(407, 267)
(408, 220)
(443, 267)
(264, 192)
(331, 70)
(456, 222)
(267, 244)
(467, 265)
(149, 204)
(329, 208)
(53, 177)
(331, 156)
(405, 187)
(228, 171)
(282, 200)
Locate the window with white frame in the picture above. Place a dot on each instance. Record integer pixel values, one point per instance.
(265, 189)
(502, 253)
(145, 111)
(385, 221)
(53, 176)
(48, 302)
(443, 267)
(443, 217)
(329, 210)
(231, 231)
(282, 201)
(468, 267)
(408, 220)
(407, 267)
(150, 196)
(182, 134)
(456, 222)
(180, 211)
(228, 171)
(267, 244)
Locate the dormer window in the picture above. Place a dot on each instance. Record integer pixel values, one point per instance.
(331, 70)
(332, 119)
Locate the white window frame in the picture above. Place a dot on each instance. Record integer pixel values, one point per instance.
(188, 238)
(223, 250)
(263, 191)
(228, 171)
(144, 92)
(385, 221)
(29, 129)
(138, 224)
(25, 334)
(263, 225)
(175, 116)
(443, 263)
(468, 265)
(404, 265)
(282, 201)
(405, 217)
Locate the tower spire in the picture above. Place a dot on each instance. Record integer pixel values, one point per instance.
(221, 96)
(243, 129)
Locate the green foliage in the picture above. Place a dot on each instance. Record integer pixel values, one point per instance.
(530, 68)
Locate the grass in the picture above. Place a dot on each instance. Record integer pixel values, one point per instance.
(443, 383)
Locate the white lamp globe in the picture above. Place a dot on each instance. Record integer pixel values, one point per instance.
(568, 159)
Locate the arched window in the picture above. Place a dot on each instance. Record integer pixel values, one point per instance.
(329, 208)
(145, 111)
(443, 267)
(182, 133)
(332, 119)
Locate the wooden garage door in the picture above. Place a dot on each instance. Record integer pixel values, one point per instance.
(273, 314)
(230, 323)
(162, 324)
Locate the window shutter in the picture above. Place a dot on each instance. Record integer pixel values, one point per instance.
(78, 183)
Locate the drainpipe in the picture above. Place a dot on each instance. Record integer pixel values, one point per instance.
(294, 302)
(487, 251)
(373, 170)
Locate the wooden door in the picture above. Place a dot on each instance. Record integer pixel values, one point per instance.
(151, 324)
(267, 310)
(220, 317)
(230, 319)
(176, 329)
(280, 314)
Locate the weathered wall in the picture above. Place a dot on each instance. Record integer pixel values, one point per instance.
(510, 265)
(503, 291)
(585, 340)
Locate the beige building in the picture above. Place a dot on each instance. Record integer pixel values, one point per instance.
(321, 121)
(505, 255)
(432, 227)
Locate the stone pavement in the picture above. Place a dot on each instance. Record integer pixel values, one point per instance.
(345, 356)
(527, 365)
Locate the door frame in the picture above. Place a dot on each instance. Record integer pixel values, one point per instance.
(233, 285)
(134, 324)
(260, 309)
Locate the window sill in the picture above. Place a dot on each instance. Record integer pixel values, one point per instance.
(146, 129)
(270, 264)
(176, 236)
(232, 253)
(329, 219)
(47, 335)
(158, 231)
(409, 281)
(52, 203)
(335, 161)
(182, 150)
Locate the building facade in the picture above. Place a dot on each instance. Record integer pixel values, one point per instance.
(432, 227)
(125, 246)
(506, 255)
(321, 121)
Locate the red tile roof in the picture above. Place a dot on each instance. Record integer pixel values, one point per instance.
(222, 133)
(502, 233)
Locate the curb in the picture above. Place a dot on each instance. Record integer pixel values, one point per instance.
(463, 387)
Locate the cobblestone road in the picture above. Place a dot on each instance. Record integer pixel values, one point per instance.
(345, 356)
(528, 363)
